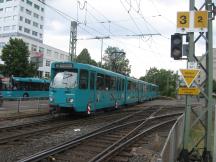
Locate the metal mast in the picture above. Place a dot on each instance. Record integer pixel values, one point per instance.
(204, 116)
(73, 40)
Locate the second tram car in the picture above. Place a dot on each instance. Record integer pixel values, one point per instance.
(85, 88)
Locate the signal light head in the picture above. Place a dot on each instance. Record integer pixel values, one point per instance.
(176, 46)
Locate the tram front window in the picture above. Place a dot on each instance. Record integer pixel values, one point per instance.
(65, 80)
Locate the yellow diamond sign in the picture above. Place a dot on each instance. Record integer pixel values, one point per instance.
(189, 75)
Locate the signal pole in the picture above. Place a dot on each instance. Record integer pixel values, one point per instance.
(202, 22)
(73, 40)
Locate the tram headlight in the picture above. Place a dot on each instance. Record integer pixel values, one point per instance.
(70, 100)
(51, 99)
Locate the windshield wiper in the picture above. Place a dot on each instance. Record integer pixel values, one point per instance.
(68, 76)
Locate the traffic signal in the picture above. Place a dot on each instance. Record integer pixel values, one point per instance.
(176, 46)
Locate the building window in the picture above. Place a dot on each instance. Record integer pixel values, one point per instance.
(8, 18)
(6, 28)
(15, 8)
(49, 52)
(42, 18)
(34, 33)
(21, 18)
(21, 8)
(37, 7)
(14, 27)
(1, 1)
(47, 74)
(61, 56)
(36, 15)
(29, 2)
(47, 63)
(42, 9)
(8, 9)
(28, 12)
(41, 26)
(56, 55)
(1, 10)
(41, 49)
(27, 21)
(35, 24)
(41, 35)
(20, 28)
(2, 44)
(15, 17)
(26, 30)
(34, 47)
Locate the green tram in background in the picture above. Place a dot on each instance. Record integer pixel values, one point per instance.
(15, 87)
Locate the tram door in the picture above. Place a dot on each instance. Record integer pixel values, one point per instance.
(93, 90)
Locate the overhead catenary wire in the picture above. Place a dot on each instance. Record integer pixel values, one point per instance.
(70, 18)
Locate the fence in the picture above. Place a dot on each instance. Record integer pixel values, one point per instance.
(24, 104)
(173, 144)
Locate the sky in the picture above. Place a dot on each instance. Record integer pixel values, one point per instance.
(118, 19)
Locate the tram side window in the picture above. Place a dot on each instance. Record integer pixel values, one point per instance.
(83, 79)
(122, 85)
(100, 82)
(112, 83)
(92, 81)
(107, 82)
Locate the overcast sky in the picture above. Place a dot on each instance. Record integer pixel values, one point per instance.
(120, 17)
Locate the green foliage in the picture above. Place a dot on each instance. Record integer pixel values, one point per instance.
(166, 79)
(15, 55)
(84, 57)
(115, 60)
(214, 86)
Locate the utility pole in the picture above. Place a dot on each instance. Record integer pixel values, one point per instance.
(73, 40)
(102, 38)
(202, 18)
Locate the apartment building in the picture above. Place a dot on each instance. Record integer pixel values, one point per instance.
(202, 74)
(24, 19)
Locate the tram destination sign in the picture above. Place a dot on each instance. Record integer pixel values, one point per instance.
(64, 65)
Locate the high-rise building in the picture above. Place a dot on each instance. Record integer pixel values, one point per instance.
(25, 19)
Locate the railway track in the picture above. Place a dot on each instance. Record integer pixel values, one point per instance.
(104, 143)
(23, 131)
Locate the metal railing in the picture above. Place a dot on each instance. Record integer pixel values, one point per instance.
(173, 144)
(24, 104)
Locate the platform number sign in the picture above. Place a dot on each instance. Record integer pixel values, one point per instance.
(193, 21)
(201, 19)
(183, 20)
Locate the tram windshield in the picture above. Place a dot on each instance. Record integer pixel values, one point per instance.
(65, 80)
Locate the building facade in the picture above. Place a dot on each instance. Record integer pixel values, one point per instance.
(202, 74)
(24, 19)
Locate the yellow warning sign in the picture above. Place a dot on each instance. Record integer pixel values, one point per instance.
(183, 20)
(188, 91)
(189, 75)
(201, 19)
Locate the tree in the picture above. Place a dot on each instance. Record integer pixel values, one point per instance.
(85, 57)
(115, 60)
(15, 55)
(165, 79)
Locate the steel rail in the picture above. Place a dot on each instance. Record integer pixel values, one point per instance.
(130, 140)
(67, 145)
(131, 133)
